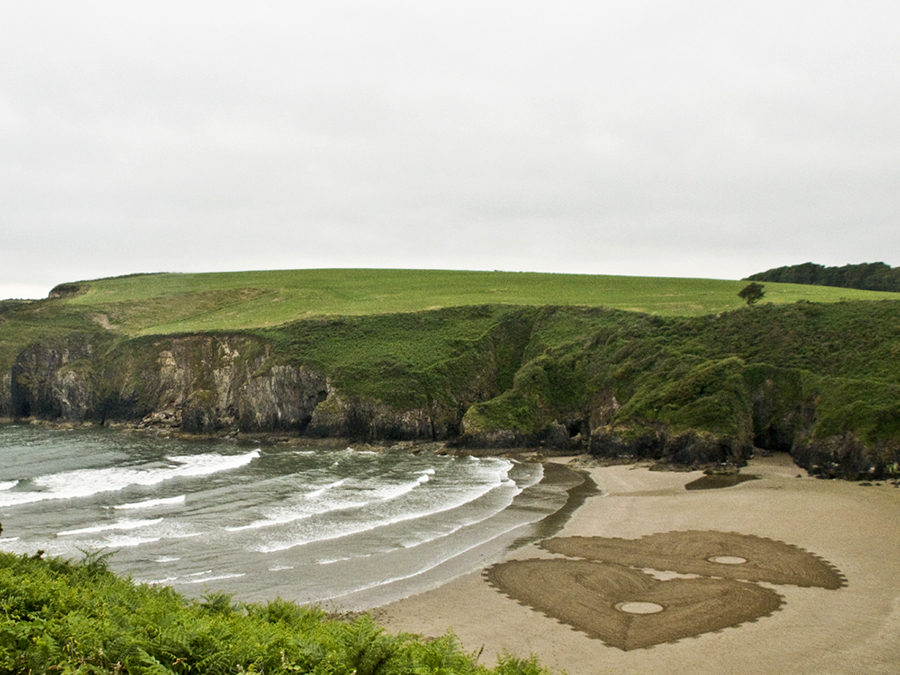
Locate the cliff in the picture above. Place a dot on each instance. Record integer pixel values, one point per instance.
(818, 381)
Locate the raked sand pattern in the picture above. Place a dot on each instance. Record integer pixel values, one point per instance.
(626, 607)
(610, 595)
(791, 574)
(730, 555)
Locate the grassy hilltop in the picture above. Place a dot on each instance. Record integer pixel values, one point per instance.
(678, 369)
(175, 303)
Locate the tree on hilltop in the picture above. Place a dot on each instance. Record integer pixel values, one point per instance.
(752, 292)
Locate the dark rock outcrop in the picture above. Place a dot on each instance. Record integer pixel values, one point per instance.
(202, 384)
(354, 417)
(661, 444)
(845, 456)
(54, 380)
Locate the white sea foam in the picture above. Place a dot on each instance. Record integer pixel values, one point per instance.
(354, 497)
(8, 484)
(124, 541)
(280, 568)
(125, 524)
(167, 559)
(87, 482)
(370, 522)
(152, 503)
(325, 488)
(218, 577)
(8, 540)
(371, 494)
(498, 508)
(331, 561)
(199, 574)
(156, 582)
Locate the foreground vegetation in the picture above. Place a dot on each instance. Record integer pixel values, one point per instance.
(59, 616)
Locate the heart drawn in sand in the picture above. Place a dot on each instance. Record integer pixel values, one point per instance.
(627, 608)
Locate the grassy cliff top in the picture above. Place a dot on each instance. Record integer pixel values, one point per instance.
(144, 304)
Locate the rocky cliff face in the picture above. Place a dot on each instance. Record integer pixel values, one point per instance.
(208, 384)
(200, 384)
(615, 394)
(53, 380)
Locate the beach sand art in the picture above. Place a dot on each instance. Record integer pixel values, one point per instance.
(608, 595)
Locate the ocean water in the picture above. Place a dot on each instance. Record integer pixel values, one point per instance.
(345, 528)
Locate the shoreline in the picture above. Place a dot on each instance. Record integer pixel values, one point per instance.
(577, 486)
(852, 527)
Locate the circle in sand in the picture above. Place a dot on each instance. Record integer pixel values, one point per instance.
(639, 607)
(727, 559)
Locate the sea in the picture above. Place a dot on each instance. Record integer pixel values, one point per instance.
(348, 529)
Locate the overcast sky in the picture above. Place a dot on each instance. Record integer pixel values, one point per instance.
(703, 138)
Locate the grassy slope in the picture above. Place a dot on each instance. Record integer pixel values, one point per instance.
(698, 372)
(24, 323)
(169, 303)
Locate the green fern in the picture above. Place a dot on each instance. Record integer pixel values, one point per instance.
(57, 616)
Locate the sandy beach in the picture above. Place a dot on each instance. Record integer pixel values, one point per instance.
(809, 580)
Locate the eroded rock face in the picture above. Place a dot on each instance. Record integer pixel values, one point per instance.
(222, 384)
(282, 399)
(6, 395)
(53, 381)
(196, 384)
(687, 448)
(204, 384)
(845, 456)
(353, 417)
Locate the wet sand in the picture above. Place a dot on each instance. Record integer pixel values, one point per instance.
(807, 581)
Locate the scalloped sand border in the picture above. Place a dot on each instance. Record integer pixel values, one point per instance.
(689, 551)
(585, 594)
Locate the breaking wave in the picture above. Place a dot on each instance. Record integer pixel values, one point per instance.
(89, 482)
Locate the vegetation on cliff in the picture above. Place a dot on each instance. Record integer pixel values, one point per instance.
(60, 616)
(683, 372)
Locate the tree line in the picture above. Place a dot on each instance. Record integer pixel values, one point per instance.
(875, 276)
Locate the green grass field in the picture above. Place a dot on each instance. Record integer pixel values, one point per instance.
(177, 303)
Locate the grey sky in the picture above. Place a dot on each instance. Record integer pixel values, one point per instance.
(708, 138)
